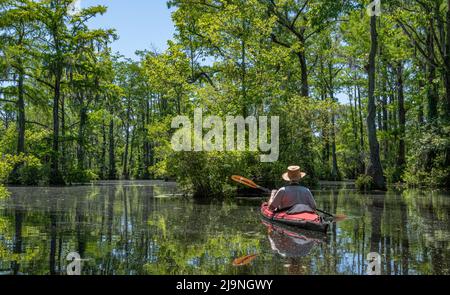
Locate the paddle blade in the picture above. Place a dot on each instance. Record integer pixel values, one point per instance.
(244, 260)
(339, 218)
(244, 181)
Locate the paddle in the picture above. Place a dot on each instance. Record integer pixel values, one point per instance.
(337, 217)
(249, 183)
(241, 261)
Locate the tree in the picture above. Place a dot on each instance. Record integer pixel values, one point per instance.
(374, 169)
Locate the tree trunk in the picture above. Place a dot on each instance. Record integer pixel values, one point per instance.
(375, 170)
(304, 74)
(127, 146)
(447, 64)
(146, 148)
(103, 155)
(433, 98)
(420, 111)
(55, 174)
(244, 79)
(112, 154)
(353, 110)
(433, 94)
(361, 132)
(447, 86)
(63, 133)
(401, 159)
(21, 114)
(81, 138)
(335, 173)
(384, 110)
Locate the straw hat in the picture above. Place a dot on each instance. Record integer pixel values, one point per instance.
(294, 173)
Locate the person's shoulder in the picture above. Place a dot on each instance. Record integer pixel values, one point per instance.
(304, 188)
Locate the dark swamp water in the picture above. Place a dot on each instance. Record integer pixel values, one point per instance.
(147, 228)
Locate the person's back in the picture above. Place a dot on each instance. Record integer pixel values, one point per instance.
(290, 196)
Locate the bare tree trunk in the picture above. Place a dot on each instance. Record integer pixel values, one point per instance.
(127, 146)
(447, 85)
(55, 174)
(433, 98)
(146, 121)
(447, 64)
(375, 170)
(401, 159)
(433, 94)
(304, 74)
(21, 114)
(63, 133)
(81, 138)
(112, 154)
(103, 155)
(335, 173)
(361, 132)
(384, 102)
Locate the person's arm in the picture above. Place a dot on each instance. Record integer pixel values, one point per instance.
(276, 201)
(272, 196)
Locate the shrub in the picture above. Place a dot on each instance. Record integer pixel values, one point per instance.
(4, 193)
(30, 171)
(20, 169)
(364, 183)
(76, 175)
(427, 158)
(6, 166)
(207, 174)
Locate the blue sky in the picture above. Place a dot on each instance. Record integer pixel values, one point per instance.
(140, 24)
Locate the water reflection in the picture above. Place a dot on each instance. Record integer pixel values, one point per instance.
(141, 228)
(291, 242)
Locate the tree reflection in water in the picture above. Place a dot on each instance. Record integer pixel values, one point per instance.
(137, 228)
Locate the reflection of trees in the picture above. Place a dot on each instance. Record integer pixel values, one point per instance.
(124, 230)
(18, 218)
(376, 212)
(201, 240)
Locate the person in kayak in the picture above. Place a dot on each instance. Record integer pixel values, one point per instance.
(293, 194)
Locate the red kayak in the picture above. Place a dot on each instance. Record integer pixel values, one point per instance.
(305, 220)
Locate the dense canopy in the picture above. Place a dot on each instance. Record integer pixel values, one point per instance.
(359, 96)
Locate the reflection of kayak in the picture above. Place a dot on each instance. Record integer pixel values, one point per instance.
(292, 242)
(305, 220)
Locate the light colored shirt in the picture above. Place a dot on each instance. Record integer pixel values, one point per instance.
(289, 196)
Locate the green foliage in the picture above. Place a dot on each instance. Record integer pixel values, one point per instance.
(4, 193)
(288, 58)
(364, 183)
(6, 166)
(427, 156)
(21, 169)
(77, 176)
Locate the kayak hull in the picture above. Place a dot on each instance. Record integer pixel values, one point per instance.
(308, 221)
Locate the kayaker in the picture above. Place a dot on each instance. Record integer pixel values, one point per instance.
(292, 194)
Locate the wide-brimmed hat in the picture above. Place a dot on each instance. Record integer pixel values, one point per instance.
(294, 173)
